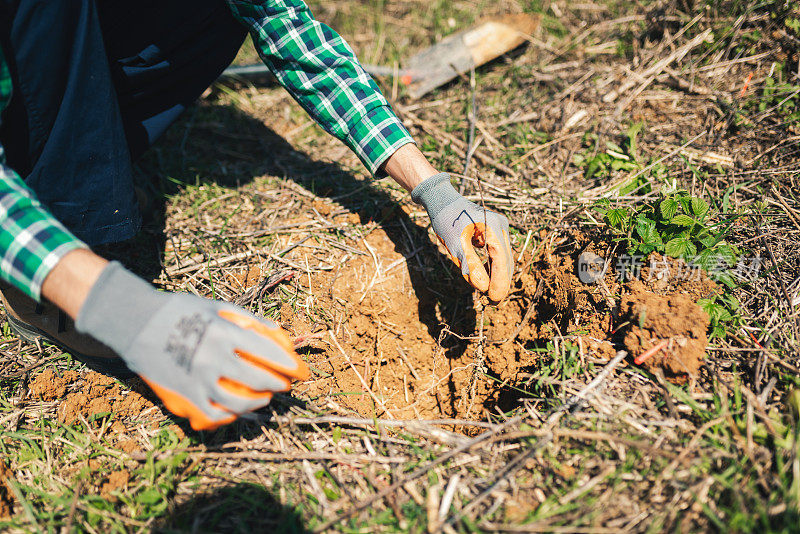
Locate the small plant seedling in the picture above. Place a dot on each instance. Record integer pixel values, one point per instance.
(674, 224)
(615, 157)
(682, 226)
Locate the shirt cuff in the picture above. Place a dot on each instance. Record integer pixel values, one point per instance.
(376, 137)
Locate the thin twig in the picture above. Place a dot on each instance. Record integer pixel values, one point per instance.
(473, 119)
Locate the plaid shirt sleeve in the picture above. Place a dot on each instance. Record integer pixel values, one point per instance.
(322, 73)
(32, 241)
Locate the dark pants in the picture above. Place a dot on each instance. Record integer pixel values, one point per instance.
(95, 83)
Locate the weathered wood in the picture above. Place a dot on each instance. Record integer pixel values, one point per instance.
(465, 50)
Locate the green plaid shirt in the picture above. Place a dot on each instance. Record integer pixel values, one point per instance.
(322, 73)
(308, 58)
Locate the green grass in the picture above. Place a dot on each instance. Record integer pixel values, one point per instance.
(739, 475)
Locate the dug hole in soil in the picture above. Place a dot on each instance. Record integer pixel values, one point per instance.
(404, 341)
(383, 339)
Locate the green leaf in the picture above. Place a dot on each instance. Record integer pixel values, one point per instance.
(682, 220)
(631, 133)
(150, 496)
(646, 229)
(705, 305)
(645, 248)
(699, 207)
(668, 207)
(617, 216)
(686, 204)
(680, 247)
(594, 165)
(620, 165)
(726, 279)
(727, 253)
(707, 240)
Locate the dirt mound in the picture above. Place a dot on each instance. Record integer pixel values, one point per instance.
(90, 396)
(674, 323)
(405, 349)
(409, 338)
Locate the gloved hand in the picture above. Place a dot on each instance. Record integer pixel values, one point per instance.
(460, 225)
(208, 361)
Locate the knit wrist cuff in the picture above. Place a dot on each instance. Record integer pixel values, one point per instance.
(118, 307)
(435, 193)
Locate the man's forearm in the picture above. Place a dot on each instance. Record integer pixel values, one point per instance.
(408, 166)
(68, 283)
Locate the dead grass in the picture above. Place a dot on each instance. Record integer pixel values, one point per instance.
(245, 186)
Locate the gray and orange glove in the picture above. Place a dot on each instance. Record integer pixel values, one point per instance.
(208, 361)
(462, 225)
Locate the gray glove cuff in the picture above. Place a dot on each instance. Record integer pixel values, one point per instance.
(118, 307)
(435, 193)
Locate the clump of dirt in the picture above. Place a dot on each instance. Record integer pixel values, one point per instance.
(569, 304)
(50, 385)
(98, 394)
(660, 309)
(387, 318)
(84, 396)
(406, 342)
(673, 322)
(6, 495)
(116, 480)
(247, 277)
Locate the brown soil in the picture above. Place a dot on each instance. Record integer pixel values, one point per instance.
(677, 320)
(382, 322)
(662, 306)
(6, 496)
(419, 348)
(83, 396)
(389, 324)
(115, 481)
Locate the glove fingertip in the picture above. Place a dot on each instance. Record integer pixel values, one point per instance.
(499, 291)
(183, 407)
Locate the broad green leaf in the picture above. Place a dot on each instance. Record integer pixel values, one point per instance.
(682, 220)
(726, 252)
(668, 207)
(706, 259)
(699, 207)
(726, 278)
(620, 165)
(150, 496)
(707, 240)
(646, 229)
(686, 204)
(646, 248)
(594, 165)
(680, 247)
(616, 216)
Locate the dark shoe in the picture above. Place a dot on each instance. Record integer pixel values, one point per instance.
(43, 322)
